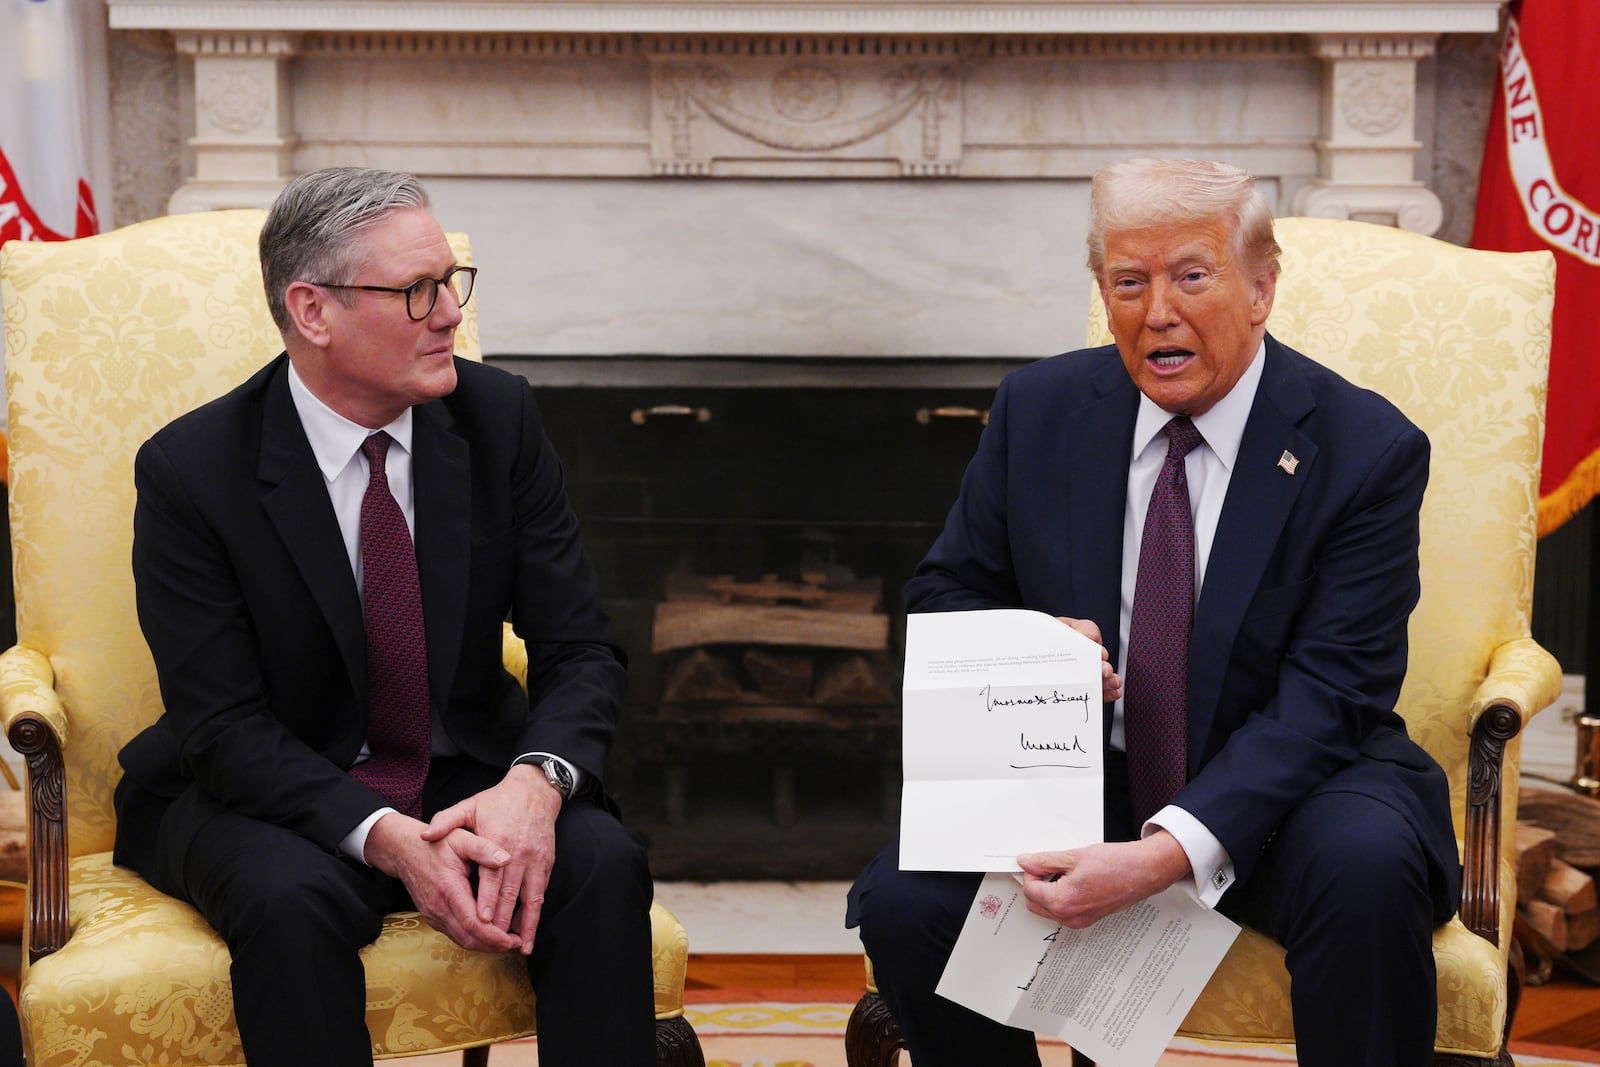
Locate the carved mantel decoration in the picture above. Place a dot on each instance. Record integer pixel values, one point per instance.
(865, 107)
(721, 88)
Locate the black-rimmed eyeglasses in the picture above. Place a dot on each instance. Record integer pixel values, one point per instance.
(423, 293)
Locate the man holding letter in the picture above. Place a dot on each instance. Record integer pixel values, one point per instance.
(1241, 526)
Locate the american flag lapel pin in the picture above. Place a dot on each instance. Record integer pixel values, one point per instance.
(1288, 461)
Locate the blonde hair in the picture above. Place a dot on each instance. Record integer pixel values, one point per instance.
(1138, 193)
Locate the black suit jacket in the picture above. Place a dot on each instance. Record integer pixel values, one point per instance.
(247, 600)
(1299, 641)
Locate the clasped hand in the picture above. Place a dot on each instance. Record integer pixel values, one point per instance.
(506, 833)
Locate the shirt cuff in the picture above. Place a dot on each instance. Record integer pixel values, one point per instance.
(354, 844)
(1210, 866)
(577, 775)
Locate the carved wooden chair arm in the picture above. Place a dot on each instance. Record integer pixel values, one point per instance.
(1523, 679)
(27, 687)
(36, 725)
(1522, 675)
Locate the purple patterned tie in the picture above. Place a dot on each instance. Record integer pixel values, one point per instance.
(1155, 717)
(399, 729)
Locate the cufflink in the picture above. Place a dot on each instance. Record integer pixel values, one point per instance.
(1219, 880)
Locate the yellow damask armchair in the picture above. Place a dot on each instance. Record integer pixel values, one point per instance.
(1460, 341)
(107, 339)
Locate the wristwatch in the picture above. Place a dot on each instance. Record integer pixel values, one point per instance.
(556, 772)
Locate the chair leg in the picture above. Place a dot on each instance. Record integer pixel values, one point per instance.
(477, 1056)
(1516, 980)
(872, 1038)
(677, 1045)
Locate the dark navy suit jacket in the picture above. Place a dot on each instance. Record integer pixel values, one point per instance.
(1299, 642)
(246, 598)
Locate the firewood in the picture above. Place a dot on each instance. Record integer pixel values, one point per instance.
(851, 679)
(1583, 930)
(767, 591)
(780, 674)
(1550, 921)
(1574, 818)
(1568, 888)
(865, 594)
(684, 624)
(702, 675)
(813, 591)
(691, 587)
(1536, 850)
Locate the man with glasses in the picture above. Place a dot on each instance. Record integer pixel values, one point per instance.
(323, 559)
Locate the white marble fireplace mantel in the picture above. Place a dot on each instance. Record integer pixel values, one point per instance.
(816, 16)
(802, 178)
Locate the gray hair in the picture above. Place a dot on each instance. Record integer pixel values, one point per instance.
(1137, 193)
(313, 229)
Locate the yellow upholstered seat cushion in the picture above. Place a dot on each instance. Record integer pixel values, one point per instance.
(1248, 998)
(144, 980)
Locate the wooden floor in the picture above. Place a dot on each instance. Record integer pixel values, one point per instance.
(1563, 1011)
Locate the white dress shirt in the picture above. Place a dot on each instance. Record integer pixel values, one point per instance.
(1209, 467)
(336, 442)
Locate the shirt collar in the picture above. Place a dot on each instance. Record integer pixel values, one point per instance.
(1222, 426)
(334, 438)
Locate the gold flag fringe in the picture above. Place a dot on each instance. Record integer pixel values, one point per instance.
(1568, 498)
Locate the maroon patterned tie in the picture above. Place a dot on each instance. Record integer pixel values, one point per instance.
(399, 729)
(1155, 717)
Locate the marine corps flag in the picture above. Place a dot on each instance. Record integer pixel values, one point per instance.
(1541, 189)
(50, 53)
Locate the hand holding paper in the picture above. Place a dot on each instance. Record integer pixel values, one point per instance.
(1081, 886)
(1002, 739)
(1117, 990)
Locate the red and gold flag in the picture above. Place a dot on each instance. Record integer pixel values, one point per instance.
(1541, 189)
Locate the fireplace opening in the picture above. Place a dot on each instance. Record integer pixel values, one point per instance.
(751, 544)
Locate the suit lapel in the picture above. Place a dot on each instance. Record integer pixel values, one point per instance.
(299, 507)
(1260, 497)
(441, 468)
(1103, 441)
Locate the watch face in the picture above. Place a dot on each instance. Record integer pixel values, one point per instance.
(559, 777)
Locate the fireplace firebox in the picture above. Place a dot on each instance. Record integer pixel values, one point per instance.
(751, 544)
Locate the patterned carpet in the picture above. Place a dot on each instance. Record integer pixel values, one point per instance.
(775, 1030)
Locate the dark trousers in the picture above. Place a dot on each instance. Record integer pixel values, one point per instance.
(1343, 886)
(295, 918)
